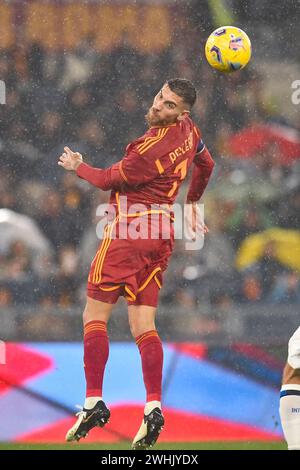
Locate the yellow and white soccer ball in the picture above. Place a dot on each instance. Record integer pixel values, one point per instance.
(228, 49)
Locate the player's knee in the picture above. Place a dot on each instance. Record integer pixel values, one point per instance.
(89, 314)
(138, 328)
(85, 315)
(134, 328)
(141, 319)
(96, 310)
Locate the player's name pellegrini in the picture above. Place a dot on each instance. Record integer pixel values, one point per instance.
(182, 149)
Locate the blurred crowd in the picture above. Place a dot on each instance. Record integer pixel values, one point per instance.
(95, 103)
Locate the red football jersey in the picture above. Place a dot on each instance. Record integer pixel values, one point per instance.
(151, 173)
(156, 164)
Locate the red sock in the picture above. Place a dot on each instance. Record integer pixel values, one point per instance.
(151, 352)
(96, 348)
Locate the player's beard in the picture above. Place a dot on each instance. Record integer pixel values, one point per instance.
(153, 119)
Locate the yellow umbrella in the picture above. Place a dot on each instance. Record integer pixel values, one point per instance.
(285, 243)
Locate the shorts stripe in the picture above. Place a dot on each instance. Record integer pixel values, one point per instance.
(284, 393)
(97, 268)
(96, 258)
(108, 289)
(143, 286)
(104, 248)
(157, 282)
(131, 296)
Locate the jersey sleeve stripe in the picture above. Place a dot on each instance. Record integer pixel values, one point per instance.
(159, 167)
(196, 132)
(161, 135)
(122, 172)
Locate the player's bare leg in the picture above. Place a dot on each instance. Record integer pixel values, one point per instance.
(142, 325)
(290, 394)
(94, 413)
(290, 375)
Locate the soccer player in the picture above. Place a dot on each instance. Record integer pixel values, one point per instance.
(150, 174)
(289, 408)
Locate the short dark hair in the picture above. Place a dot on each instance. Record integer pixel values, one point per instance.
(183, 88)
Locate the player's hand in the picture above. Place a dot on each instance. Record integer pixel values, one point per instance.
(70, 160)
(194, 223)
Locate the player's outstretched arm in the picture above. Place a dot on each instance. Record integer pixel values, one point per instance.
(70, 160)
(105, 179)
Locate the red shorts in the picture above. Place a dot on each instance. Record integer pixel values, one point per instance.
(128, 267)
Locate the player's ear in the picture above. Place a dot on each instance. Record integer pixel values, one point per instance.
(183, 115)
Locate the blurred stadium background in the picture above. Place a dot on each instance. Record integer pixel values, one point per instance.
(84, 74)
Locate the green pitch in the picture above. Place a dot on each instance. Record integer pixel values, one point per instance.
(163, 446)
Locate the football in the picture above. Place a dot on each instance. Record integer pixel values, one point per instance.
(228, 49)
